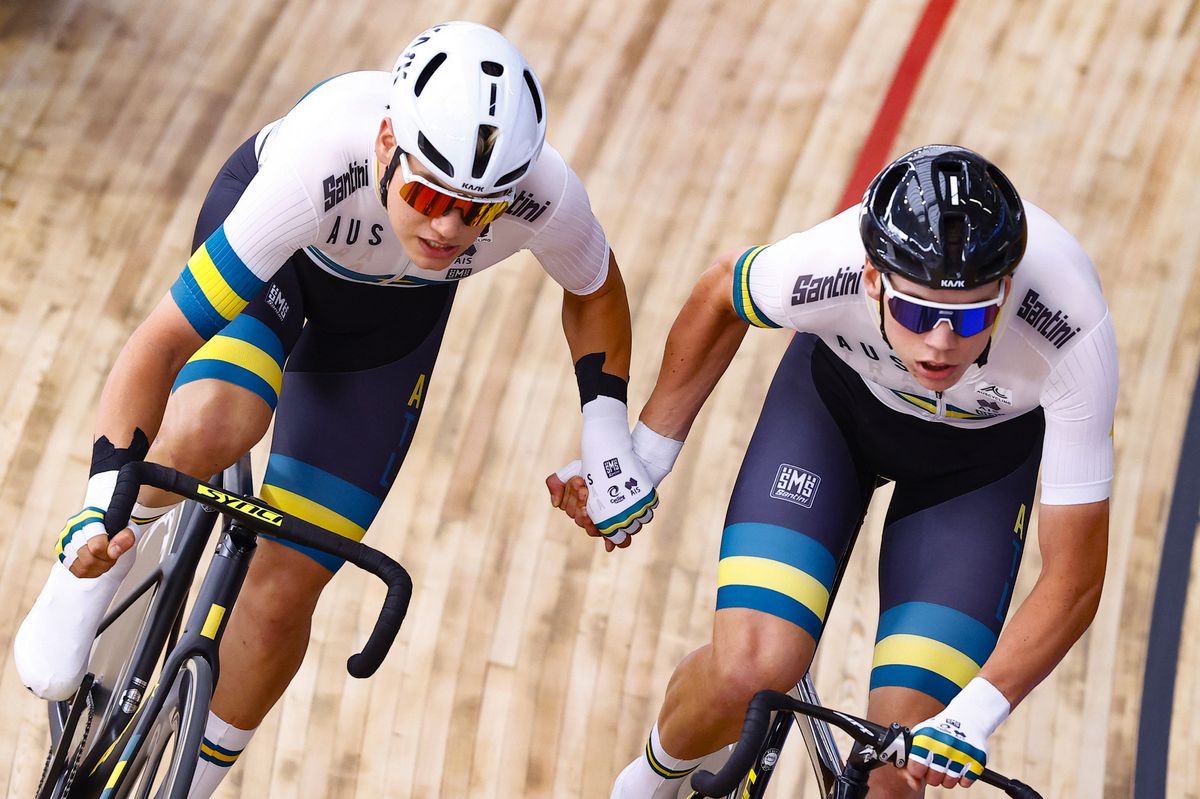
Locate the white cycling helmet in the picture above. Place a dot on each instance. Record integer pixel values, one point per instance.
(465, 103)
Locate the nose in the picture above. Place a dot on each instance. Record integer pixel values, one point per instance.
(449, 225)
(942, 337)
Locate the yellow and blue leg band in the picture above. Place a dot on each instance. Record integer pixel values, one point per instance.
(247, 353)
(778, 571)
(321, 498)
(930, 648)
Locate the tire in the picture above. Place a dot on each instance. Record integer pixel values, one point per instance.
(166, 762)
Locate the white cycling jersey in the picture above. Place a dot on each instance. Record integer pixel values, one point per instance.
(317, 190)
(1053, 344)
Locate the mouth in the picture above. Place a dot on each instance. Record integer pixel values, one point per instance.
(934, 369)
(437, 249)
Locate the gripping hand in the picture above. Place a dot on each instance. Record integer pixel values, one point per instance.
(621, 493)
(952, 745)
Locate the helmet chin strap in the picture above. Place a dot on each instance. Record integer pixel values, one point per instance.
(981, 361)
(883, 332)
(387, 175)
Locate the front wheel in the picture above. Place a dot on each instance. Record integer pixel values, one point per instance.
(165, 763)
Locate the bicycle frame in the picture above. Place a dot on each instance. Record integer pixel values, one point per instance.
(201, 636)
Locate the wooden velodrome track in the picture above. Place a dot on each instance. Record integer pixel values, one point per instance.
(532, 664)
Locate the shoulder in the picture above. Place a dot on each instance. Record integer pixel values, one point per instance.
(333, 116)
(1055, 288)
(785, 283)
(548, 189)
(807, 259)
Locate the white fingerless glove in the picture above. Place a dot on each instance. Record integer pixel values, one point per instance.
(656, 452)
(955, 740)
(621, 495)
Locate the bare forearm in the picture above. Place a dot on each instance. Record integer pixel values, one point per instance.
(702, 342)
(1052, 618)
(1062, 604)
(136, 391)
(600, 322)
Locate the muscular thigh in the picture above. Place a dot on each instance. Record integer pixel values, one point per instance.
(952, 545)
(798, 501)
(351, 399)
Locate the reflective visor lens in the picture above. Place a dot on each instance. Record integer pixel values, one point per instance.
(922, 318)
(428, 201)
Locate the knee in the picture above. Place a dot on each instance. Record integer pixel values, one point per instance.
(208, 425)
(280, 594)
(750, 664)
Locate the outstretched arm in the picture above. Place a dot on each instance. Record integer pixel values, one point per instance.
(702, 342)
(599, 322)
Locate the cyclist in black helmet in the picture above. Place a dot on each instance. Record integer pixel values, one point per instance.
(952, 339)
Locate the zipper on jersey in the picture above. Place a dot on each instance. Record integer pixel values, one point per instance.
(941, 405)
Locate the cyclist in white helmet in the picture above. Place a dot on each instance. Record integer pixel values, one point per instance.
(326, 258)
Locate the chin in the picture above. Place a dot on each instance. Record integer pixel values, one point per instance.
(432, 264)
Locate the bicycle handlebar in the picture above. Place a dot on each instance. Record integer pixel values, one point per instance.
(866, 733)
(263, 518)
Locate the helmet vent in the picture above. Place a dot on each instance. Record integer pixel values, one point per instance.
(492, 69)
(427, 73)
(511, 177)
(437, 159)
(953, 235)
(485, 144)
(537, 96)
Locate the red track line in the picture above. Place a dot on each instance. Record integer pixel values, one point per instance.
(895, 103)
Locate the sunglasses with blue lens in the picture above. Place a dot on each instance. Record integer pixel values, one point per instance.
(921, 316)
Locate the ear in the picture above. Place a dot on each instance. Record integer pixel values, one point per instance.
(385, 142)
(872, 281)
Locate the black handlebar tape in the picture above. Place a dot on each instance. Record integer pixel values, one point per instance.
(1014, 788)
(754, 732)
(395, 606)
(130, 480)
(260, 517)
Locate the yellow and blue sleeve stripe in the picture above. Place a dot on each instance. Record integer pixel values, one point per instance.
(930, 648)
(321, 498)
(743, 302)
(215, 285)
(247, 353)
(778, 571)
(74, 525)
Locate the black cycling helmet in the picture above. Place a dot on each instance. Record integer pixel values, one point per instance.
(944, 217)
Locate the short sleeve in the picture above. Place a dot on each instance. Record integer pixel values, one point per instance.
(1079, 398)
(572, 246)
